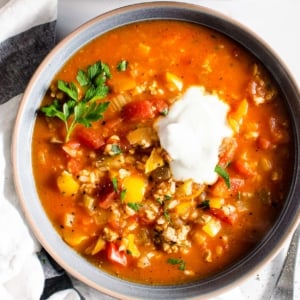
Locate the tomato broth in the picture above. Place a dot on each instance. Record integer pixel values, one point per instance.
(105, 181)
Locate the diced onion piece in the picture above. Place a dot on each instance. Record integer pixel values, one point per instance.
(188, 190)
(67, 185)
(183, 208)
(235, 118)
(144, 49)
(200, 237)
(154, 161)
(134, 187)
(69, 219)
(212, 227)
(123, 82)
(219, 250)
(208, 255)
(89, 202)
(185, 189)
(117, 103)
(174, 80)
(265, 164)
(143, 136)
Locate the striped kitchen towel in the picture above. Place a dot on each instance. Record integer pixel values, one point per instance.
(27, 34)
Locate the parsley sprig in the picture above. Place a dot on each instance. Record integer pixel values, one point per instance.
(81, 109)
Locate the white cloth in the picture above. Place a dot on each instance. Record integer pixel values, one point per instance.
(19, 15)
(21, 274)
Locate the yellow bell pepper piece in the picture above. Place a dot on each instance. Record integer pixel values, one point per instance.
(67, 185)
(131, 247)
(100, 245)
(123, 82)
(134, 187)
(74, 238)
(216, 202)
(154, 161)
(183, 208)
(174, 80)
(144, 48)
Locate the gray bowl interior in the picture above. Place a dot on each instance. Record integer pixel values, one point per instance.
(21, 151)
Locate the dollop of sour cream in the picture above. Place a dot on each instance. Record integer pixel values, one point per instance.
(192, 133)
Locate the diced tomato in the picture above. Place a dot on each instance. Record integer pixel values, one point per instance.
(220, 189)
(243, 168)
(74, 165)
(220, 214)
(138, 110)
(160, 106)
(71, 148)
(90, 137)
(107, 201)
(236, 184)
(227, 151)
(106, 194)
(115, 225)
(263, 143)
(115, 255)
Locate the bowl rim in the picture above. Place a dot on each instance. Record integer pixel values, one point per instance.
(38, 86)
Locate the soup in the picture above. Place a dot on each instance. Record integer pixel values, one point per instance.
(161, 152)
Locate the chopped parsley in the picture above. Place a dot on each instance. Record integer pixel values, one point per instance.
(204, 204)
(122, 65)
(115, 184)
(135, 206)
(223, 173)
(167, 216)
(177, 261)
(115, 149)
(164, 112)
(167, 197)
(122, 195)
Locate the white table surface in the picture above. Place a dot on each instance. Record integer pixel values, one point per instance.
(277, 22)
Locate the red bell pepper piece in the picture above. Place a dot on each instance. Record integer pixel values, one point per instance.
(115, 255)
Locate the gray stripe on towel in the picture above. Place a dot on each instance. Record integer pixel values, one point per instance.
(20, 55)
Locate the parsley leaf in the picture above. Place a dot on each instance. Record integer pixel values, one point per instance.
(69, 88)
(167, 197)
(122, 195)
(82, 78)
(122, 65)
(115, 184)
(177, 261)
(116, 149)
(167, 216)
(204, 205)
(223, 173)
(164, 112)
(135, 206)
(54, 110)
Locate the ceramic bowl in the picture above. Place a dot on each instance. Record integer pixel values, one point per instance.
(23, 175)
